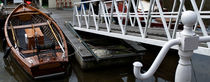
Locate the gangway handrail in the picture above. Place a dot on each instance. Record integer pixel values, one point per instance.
(133, 16)
(109, 20)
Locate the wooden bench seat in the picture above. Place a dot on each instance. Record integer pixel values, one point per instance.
(29, 25)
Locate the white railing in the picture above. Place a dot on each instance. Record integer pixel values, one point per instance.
(130, 16)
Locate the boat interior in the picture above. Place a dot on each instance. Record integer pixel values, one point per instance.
(33, 34)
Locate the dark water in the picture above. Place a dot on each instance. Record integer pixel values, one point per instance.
(11, 72)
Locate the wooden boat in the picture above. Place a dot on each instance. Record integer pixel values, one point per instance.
(36, 42)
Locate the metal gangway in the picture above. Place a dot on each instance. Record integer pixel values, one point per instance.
(137, 21)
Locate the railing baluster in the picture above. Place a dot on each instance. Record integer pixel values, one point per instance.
(130, 18)
(203, 28)
(173, 8)
(89, 13)
(107, 12)
(111, 17)
(105, 17)
(163, 19)
(94, 16)
(99, 15)
(74, 16)
(178, 18)
(77, 15)
(142, 10)
(128, 15)
(149, 18)
(118, 17)
(85, 16)
(201, 7)
(81, 15)
(138, 20)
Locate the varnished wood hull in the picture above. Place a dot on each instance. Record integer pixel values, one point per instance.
(35, 61)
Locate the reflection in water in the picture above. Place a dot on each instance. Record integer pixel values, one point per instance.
(107, 74)
(125, 73)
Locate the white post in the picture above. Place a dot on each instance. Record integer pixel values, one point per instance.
(189, 42)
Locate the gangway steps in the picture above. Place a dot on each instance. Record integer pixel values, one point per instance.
(78, 45)
(80, 49)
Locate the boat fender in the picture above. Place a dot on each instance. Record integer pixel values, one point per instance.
(7, 52)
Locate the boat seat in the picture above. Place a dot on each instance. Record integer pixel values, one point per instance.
(30, 34)
(29, 25)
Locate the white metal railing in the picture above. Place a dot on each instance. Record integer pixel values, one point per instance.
(130, 16)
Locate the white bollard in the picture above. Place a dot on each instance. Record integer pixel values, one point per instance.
(189, 42)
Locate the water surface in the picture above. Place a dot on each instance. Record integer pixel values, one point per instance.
(11, 72)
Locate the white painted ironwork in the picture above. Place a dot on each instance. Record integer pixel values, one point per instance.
(188, 41)
(123, 19)
(157, 62)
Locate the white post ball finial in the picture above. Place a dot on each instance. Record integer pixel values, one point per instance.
(189, 18)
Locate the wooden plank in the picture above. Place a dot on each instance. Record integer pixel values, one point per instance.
(75, 42)
(30, 25)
